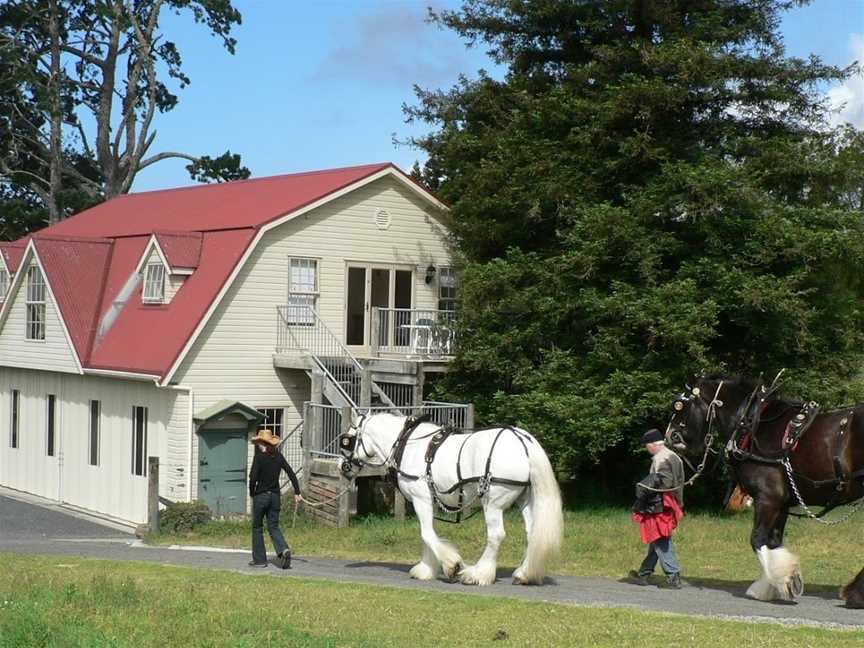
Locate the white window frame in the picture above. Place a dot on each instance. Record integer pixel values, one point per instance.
(450, 298)
(94, 435)
(274, 419)
(4, 284)
(139, 449)
(301, 292)
(50, 425)
(154, 283)
(34, 327)
(14, 418)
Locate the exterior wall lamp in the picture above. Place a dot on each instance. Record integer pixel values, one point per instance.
(430, 274)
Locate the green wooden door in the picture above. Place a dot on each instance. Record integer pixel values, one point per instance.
(222, 470)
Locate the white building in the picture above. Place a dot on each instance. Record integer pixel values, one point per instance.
(169, 323)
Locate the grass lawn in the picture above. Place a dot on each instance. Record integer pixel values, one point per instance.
(66, 602)
(598, 542)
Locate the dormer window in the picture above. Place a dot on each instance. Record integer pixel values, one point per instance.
(35, 323)
(154, 284)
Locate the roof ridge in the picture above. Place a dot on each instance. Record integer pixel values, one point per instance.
(280, 176)
(195, 233)
(72, 239)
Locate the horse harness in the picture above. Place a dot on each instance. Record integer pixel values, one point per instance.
(744, 435)
(436, 440)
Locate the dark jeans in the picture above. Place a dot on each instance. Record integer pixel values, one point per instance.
(266, 504)
(663, 550)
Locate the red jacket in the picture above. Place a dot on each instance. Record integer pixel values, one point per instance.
(654, 526)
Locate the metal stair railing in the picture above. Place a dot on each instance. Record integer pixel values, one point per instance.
(300, 327)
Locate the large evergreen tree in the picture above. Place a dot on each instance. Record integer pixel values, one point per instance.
(652, 190)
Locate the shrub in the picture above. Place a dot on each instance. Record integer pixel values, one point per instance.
(184, 516)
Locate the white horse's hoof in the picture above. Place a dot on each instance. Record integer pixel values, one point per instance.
(452, 571)
(422, 571)
(474, 575)
(761, 590)
(519, 576)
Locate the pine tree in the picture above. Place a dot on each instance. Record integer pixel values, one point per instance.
(652, 190)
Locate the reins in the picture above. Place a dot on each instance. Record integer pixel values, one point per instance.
(710, 416)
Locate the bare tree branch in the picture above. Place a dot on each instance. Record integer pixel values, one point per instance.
(164, 156)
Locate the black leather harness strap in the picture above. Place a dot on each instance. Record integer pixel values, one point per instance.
(410, 425)
(435, 442)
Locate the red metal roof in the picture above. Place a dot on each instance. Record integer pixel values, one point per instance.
(202, 208)
(76, 271)
(182, 249)
(12, 253)
(147, 338)
(91, 257)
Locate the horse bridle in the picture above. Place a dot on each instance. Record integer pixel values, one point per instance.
(681, 405)
(348, 443)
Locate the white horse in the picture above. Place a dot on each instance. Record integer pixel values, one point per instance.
(502, 465)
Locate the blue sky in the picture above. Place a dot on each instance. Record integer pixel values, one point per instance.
(321, 83)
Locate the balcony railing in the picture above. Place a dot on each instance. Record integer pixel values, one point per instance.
(411, 331)
(322, 424)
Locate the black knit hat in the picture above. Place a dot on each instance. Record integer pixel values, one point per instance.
(652, 436)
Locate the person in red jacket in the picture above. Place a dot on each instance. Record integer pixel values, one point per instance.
(658, 509)
(266, 501)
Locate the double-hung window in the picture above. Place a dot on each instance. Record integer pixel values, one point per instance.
(35, 302)
(95, 424)
(139, 441)
(302, 291)
(154, 283)
(14, 415)
(447, 288)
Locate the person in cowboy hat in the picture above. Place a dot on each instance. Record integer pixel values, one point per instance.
(264, 491)
(658, 509)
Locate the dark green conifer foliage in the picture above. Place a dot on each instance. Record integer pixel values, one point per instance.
(652, 190)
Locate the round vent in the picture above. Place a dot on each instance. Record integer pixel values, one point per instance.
(382, 219)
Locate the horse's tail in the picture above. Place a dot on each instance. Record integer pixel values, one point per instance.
(547, 528)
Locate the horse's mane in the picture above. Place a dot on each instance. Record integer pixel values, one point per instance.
(734, 380)
(747, 384)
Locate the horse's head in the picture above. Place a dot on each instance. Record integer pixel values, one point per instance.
(354, 451)
(712, 404)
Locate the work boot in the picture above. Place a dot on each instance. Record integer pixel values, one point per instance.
(673, 581)
(638, 579)
(285, 559)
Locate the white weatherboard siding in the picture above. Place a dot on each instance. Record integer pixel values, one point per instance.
(233, 356)
(110, 487)
(173, 283)
(54, 353)
(174, 457)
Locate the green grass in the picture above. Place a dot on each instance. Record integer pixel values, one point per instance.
(72, 602)
(598, 542)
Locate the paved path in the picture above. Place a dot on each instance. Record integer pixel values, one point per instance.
(29, 529)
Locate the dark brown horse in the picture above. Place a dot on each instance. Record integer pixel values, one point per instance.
(774, 448)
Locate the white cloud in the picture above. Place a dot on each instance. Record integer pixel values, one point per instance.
(847, 100)
(394, 44)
